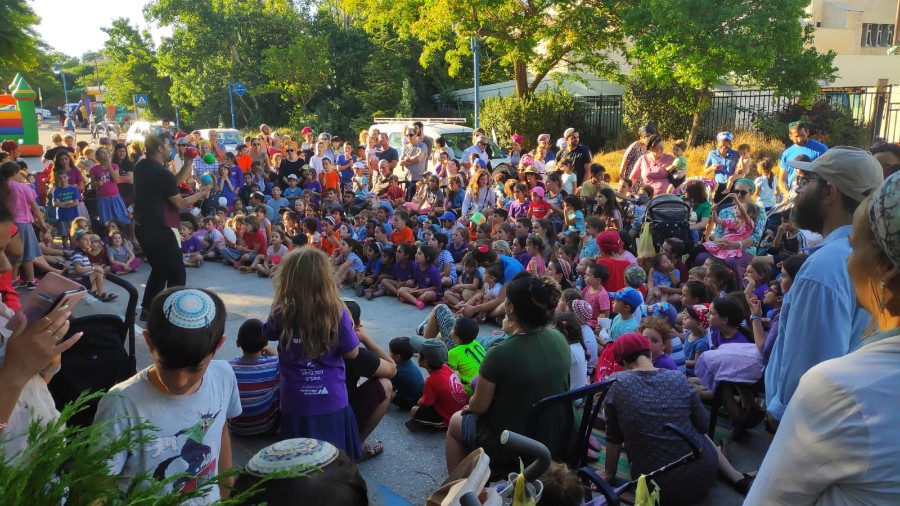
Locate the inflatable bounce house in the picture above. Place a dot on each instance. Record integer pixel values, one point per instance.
(18, 120)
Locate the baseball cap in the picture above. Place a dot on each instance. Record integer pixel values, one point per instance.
(854, 172)
(447, 216)
(293, 176)
(628, 344)
(9, 145)
(179, 135)
(609, 241)
(629, 296)
(359, 165)
(434, 351)
(537, 190)
(699, 312)
(182, 141)
(306, 130)
(481, 163)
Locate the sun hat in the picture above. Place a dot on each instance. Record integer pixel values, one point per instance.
(884, 218)
(609, 241)
(295, 454)
(855, 172)
(628, 344)
(530, 170)
(537, 190)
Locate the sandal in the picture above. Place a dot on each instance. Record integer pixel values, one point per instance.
(743, 485)
(107, 297)
(372, 449)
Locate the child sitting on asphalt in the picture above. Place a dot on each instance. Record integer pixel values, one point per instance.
(257, 374)
(181, 402)
(408, 382)
(465, 358)
(443, 394)
(191, 246)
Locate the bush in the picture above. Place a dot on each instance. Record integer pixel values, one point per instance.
(549, 111)
(670, 108)
(827, 124)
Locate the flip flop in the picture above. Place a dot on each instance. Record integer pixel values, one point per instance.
(108, 297)
(371, 449)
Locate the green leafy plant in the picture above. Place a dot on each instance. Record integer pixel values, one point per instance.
(552, 110)
(827, 123)
(669, 107)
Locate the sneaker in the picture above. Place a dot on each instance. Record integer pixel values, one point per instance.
(420, 330)
(359, 290)
(31, 285)
(413, 426)
(18, 282)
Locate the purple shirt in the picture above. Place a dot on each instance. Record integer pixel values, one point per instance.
(312, 386)
(715, 337)
(428, 278)
(517, 210)
(664, 361)
(192, 245)
(404, 273)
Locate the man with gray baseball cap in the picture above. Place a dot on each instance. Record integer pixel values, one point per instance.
(820, 319)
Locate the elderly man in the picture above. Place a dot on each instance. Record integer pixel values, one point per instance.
(820, 318)
(577, 153)
(216, 147)
(479, 148)
(798, 131)
(381, 178)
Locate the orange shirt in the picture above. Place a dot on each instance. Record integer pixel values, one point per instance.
(399, 237)
(332, 180)
(330, 246)
(244, 163)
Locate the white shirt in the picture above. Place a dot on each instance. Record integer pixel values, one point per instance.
(766, 197)
(838, 443)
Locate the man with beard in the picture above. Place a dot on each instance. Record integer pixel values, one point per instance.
(820, 319)
(577, 153)
(798, 131)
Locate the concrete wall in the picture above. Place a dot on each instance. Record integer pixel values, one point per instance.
(840, 23)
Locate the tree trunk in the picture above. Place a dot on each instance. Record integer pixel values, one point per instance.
(520, 71)
(702, 101)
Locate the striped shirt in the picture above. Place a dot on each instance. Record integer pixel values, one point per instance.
(258, 388)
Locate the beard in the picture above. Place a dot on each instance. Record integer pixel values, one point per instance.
(806, 213)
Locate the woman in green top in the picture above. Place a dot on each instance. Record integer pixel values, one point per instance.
(532, 364)
(697, 195)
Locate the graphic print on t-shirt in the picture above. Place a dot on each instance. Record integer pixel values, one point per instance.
(194, 458)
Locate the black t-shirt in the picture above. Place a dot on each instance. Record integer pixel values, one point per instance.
(363, 366)
(390, 154)
(287, 168)
(126, 167)
(51, 153)
(154, 184)
(579, 156)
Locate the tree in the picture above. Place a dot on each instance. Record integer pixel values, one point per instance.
(131, 68)
(700, 44)
(297, 83)
(18, 38)
(526, 34)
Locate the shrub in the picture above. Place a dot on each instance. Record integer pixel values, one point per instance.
(670, 108)
(827, 124)
(549, 111)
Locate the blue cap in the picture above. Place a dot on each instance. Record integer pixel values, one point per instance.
(447, 216)
(629, 296)
(481, 163)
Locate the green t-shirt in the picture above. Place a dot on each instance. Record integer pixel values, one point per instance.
(525, 368)
(703, 210)
(680, 163)
(465, 360)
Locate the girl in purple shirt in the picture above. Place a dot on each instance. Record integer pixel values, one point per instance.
(315, 334)
(727, 320)
(427, 277)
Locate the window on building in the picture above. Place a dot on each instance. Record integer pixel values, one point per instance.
(877, 35)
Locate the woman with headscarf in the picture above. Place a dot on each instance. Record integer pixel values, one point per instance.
(721, 162)
(837, 441)
(516, 151)
(542, 151)
(651, 168)
(635, 151)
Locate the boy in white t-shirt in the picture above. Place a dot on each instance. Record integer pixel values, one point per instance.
(185, 395)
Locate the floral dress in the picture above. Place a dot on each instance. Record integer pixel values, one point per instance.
(735, 229)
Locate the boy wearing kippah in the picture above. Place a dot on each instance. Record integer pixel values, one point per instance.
(185, 396)
(443, 394)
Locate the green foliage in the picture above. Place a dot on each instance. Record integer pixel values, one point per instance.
(18, 38)
(827, 123)
(542, 112)
(297, 83)
(668, 107)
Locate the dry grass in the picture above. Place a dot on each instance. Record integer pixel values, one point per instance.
(760, 147)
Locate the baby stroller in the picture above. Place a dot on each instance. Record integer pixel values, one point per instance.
(669, 216)
(100, 359)
(467, 491)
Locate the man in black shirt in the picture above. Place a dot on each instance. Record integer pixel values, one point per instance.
(577, 153)
(156, 212)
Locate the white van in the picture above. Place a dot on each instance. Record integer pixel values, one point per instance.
(453, 130)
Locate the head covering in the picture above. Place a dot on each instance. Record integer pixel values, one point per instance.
(481, 163)
(306, 130)
(646, 130)
(885, 217)
(518, 138)
(543, 137)
(434, 351)
(421, 218)
(527, 160)
(477, 218)
(569, 132)
(537, 190)
(359, 165)
(447, 216)
(530, 170)
(582, 310)
(9, 145)
(699, 312)
(189, 309)
(293, 176)
(609, 241)
(854, 172)
(661, 310)
(629, 296)
(182, 141)
(299, 454)
(561, 143)
(725, 136)
(565, 267)
(746, 181)
(329, 219)
(635, 276)
(179, 135)
(628, 344)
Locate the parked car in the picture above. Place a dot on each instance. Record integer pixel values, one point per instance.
(457, 135)
(44, 112)
(140, 129)
(229, 137)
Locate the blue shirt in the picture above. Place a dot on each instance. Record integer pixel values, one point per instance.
(813, 149)
(63, 195)
(819, 320)
(729, 161)
(511, 267)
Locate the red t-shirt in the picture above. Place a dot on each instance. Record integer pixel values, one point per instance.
(399, 237)
(394, 193)
(332, 180)
(539, 209)
(616, 268)
(255, 241)
(330, 246)
(444, 392)
(9, 294)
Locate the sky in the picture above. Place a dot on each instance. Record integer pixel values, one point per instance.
(75, 30)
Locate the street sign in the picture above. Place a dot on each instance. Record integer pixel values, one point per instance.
(141, 100)
(240, 89)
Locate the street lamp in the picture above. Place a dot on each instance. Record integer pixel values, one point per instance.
(58, 70)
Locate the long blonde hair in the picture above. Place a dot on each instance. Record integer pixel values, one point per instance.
(473, 182)
(307, 296)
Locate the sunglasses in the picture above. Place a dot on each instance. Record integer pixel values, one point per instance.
(742, 193)
(290, 151)
(798, 123)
